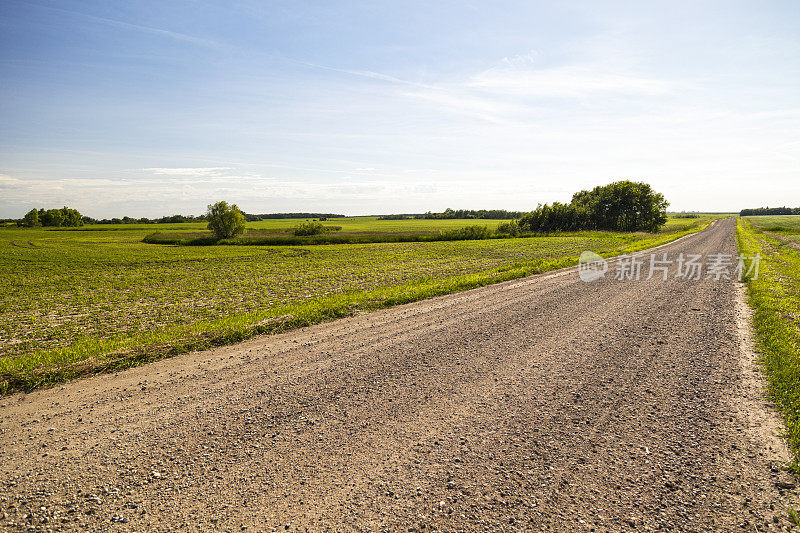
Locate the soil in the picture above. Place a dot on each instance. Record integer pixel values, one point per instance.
(545, 404)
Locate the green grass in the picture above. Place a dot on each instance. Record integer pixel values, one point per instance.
(76, 302)
(329, 235)
(372, 224)
(355, 230)
(776, 320)
(785, 225)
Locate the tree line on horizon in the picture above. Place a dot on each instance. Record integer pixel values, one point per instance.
(279, 216)
(66, 217)
(470, 214)
(619, 206)
(762, 211)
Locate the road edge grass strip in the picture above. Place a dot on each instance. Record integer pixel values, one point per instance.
(94, 356)
(777, 338)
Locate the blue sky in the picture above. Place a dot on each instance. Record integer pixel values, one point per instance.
(150, 108)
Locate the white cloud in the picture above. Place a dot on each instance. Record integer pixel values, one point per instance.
(6, 180)
(365, 74)
(565, 82)
(461, 102)
(520, 59)
(190, 171)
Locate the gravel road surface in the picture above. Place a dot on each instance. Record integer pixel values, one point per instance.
(546, 403)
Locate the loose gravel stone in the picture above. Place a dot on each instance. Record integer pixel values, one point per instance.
(544, 404)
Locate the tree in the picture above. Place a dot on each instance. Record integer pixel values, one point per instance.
(59, 217)
(624, 206)
(70, 217)
(31, 219)
(225, 220)
(52, 218)
(618, 206)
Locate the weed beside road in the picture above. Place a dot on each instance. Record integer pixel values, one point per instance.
(774, 298)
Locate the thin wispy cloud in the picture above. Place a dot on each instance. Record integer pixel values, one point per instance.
(366, 74)
(459, 101)
(573, 81)
(198, 41)
(197, 171)
(8, 181)
(354, 109)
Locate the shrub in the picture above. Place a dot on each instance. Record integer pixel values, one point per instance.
(225, 220)
(308, 228)
(465, 234)
(508, 228)
(556, 217)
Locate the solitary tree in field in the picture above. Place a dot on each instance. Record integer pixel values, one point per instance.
(225, 220)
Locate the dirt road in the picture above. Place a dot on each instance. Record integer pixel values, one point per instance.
(539, 404)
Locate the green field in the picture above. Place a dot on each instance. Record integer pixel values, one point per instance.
(785, 225)
(774, 298)
(83, 300)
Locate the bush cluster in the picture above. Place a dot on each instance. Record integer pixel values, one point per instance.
(467, 233)
(56, 218)
(309, 227)
(618, 206)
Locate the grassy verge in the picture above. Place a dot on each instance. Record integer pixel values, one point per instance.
(77, 297)
(776, 320)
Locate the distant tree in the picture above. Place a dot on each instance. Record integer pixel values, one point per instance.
(225, 220)
(31, 219)
(450, 214)
(273, 216)
(770, 211)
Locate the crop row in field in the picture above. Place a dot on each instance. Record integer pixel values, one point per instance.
(78, 298)
(774, 298)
